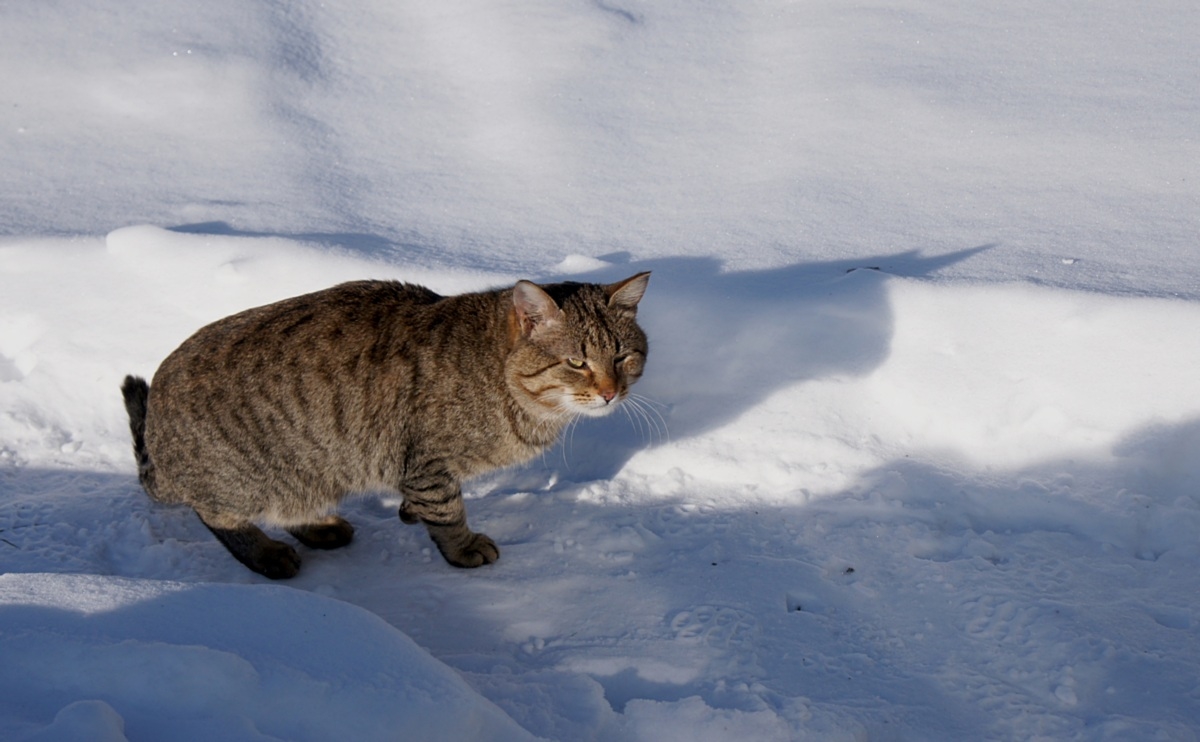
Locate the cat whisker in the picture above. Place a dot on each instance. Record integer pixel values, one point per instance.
(651, 403)
(570, 438)
(637, 418)
(566, 439)
(566, 434)
(537, 431)
(646, 409)
(653, 420)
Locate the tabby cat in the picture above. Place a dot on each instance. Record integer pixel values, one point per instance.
(275, 414)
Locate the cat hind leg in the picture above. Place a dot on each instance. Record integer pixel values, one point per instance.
(408, 514)
(331, 532)
(253, 548)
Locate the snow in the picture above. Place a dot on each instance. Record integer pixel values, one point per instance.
(218, 656)
(917, 452)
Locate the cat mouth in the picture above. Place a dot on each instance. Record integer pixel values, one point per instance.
(596, 406)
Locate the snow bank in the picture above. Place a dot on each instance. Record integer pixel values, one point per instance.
(480, 135)
(107, 658)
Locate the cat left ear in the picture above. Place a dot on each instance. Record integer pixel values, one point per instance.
(536, 309)
(626, 294)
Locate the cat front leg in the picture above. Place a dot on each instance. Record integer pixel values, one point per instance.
(462, 547)
(436, 500)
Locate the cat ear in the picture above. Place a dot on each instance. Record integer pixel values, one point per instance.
(626, 294)
(536, 309)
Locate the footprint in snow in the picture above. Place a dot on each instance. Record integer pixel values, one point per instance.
(715, 626)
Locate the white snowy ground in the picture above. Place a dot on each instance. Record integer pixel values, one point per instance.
(922, 455)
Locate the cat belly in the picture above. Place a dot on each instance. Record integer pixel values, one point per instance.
(232, 473)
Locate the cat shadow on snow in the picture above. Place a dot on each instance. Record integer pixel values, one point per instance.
(720, 343)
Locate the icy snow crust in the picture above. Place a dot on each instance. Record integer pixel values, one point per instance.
(918, 450)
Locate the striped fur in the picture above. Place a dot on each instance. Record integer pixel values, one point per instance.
(275, 414)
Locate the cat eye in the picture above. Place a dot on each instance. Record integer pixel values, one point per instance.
(576, 363)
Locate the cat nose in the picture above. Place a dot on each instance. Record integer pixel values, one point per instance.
(608, 394)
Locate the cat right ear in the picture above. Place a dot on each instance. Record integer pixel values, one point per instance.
(536, 309)
(626, 294)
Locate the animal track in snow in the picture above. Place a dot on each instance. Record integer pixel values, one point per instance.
(715, 626)
(687, 520)
(1171, 618)
(999, 620)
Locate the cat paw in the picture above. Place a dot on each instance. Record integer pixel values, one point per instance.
(277, 561)
(250, 546)
(333, 533)
(407, 516)
(478, 551)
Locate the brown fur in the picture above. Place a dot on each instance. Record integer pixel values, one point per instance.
(275, 414)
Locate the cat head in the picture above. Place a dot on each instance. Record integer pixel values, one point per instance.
(578, 347)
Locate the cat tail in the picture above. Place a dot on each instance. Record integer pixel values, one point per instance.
(136, 392)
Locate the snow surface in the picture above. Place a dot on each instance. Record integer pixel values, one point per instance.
(917, 454)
